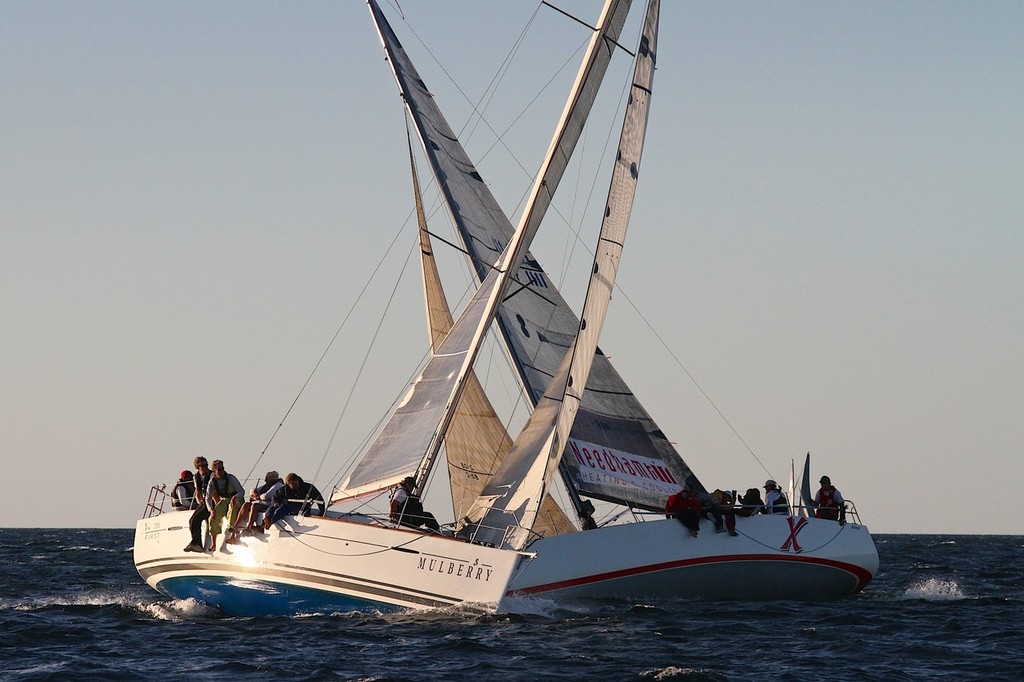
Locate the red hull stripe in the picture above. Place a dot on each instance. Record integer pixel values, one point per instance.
(863, 576)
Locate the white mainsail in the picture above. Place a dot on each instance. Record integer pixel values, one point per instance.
(538, 326)
(476, 441)
(412, 437)
(512, 497)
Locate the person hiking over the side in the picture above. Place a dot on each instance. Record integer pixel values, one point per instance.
(224, 498)
(685, 507)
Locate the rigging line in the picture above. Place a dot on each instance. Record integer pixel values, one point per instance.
(398, 7)
(492, 88)
(691, 377)
(583, 23)
(352, 457)
(573, 227)
(461, 250)
(499, 139)
(330, 344)
(298, 538)
(366, 357)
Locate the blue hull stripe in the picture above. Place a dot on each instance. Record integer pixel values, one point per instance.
(241, 597)
(261, 579)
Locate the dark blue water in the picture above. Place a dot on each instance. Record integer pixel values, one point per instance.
(943, 607)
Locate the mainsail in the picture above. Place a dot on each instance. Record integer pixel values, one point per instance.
(476, 441)
(414, 433)
(512, 497)
(616, 451)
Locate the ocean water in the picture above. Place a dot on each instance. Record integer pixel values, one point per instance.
(942, 608)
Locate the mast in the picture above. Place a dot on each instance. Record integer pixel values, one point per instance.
(505, 512)
(476, 441)
(421, 422)
(536, 324)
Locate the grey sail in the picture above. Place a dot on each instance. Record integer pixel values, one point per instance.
(414, 433)
(616, 452)
(476, 442)
(507, 509)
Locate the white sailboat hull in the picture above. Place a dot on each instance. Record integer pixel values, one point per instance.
(660, 559)
(322, 565)
(317, 565)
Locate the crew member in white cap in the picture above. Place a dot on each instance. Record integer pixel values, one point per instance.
(774, 500)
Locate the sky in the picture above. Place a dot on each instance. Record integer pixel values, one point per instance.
(826, 252)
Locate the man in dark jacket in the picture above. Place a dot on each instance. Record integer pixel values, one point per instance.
(202, 513)
(296, 497)
(407, 510)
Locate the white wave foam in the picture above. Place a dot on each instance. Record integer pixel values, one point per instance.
(175, 609)
(98, 598)
(676, 673)
(935, 589)
(178, 609)
(529, 606)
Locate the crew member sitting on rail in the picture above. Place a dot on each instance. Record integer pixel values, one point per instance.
(775, 501)
(685, 507)
(184, 494)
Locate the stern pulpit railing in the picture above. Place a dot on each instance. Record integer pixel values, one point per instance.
(155, 504)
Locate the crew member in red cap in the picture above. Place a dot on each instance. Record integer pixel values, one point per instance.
(184, 496)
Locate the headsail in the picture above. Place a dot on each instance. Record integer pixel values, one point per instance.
(476, 441)
(616, 451)
(511, 498)
(414, 433)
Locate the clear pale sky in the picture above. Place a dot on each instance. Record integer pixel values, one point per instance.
(829, 236)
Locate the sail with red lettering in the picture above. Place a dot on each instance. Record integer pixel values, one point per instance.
(536, 323)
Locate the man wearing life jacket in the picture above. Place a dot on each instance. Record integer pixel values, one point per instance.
(775, 501)
(184, 492)
(684, 506)
(224, 498)
(828, 502)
